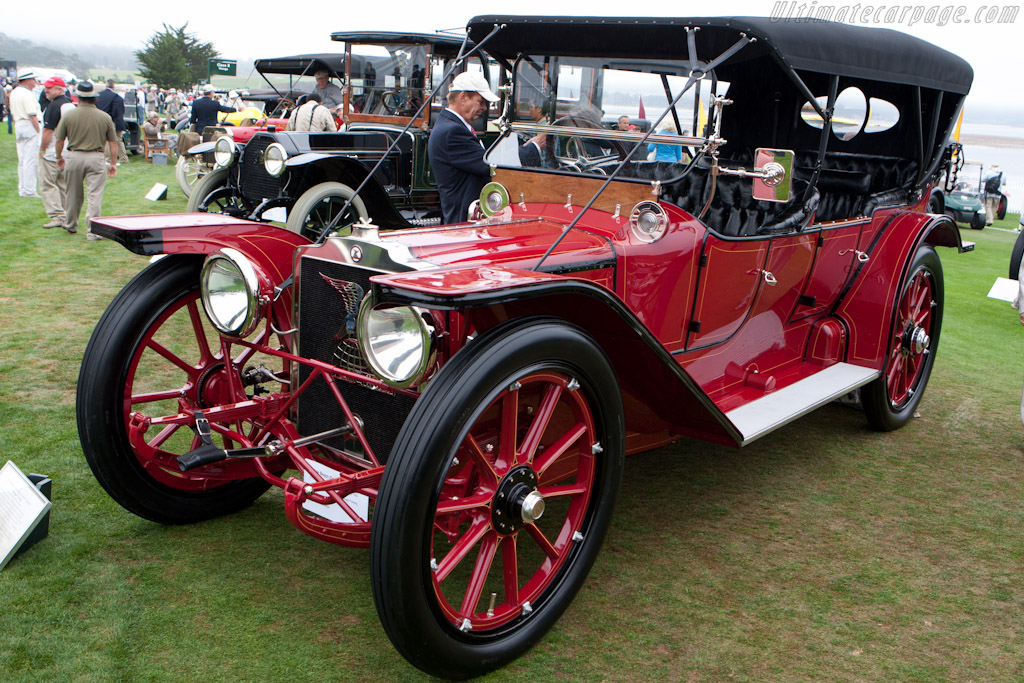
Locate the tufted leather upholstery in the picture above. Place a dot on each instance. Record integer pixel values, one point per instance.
(849, 185)
(856, 184)
(734, 211)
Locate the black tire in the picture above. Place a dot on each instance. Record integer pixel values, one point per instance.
(977, 222)
(318, 206)
(460, 408)
(936, 204)
(110, 368)
(209, 183)
(1015, 256)
(890, 401)
(1001, 208)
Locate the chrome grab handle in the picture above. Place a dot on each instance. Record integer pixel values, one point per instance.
(769, 279)
(862, 256)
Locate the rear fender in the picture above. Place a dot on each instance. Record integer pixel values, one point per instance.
(658, 395)
(879, 280)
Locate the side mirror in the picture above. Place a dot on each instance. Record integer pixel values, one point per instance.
(773, 179)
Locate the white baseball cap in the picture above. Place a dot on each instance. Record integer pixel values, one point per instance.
(474, 82)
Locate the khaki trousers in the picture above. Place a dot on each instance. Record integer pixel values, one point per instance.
(91, 168)
(122, 153)
(53, 187)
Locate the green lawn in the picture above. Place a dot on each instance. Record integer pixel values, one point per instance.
(822, 552)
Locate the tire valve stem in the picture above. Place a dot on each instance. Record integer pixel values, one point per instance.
(490, 607)
(466, 625)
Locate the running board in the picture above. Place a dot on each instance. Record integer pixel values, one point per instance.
(767, 414)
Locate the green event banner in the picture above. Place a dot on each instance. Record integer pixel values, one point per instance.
(225, 67)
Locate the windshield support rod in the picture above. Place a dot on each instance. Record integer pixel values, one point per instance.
(459, 59)
(668, 96)
(932, 133)
(919, 128)
(826, 130)
(741, 43)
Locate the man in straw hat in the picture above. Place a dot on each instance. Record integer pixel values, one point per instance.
(87, 131)
(27, 125)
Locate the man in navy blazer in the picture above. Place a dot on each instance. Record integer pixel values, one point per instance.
(457, 155)
(205, 109)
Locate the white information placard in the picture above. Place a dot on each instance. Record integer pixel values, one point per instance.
(1004, 289)
(22, 505)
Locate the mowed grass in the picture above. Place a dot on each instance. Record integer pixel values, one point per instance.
(822, 552)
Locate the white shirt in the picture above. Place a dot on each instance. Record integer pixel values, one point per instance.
(24, 105)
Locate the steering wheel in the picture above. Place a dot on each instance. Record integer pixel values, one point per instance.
(284, 105)
(577, 151)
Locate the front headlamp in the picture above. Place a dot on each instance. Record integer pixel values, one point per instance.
(230, 291)
(224, 152)
(399, 343)
(274, 158)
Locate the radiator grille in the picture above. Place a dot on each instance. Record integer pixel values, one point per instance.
(324, 297)
(254, 181)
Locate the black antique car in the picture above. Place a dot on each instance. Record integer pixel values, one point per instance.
(303, 179)
(460, 399)
(289, 78)
(134, 117)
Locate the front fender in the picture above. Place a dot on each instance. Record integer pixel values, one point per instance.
(658, 395)
(266, 245)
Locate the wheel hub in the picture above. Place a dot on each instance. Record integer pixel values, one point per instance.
(517, 501)
(210, 388)
(915, 340)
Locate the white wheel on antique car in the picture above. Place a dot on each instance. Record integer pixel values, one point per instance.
(188, 171)
(213, 195)
(496, 497)
(890, 401)
(152, 354)
(320, 204)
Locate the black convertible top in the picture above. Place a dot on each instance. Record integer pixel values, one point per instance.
(378, 37)
(802, 44)
(303, 65)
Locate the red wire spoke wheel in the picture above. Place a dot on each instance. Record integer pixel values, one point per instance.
(497, 497)
(153, 352)
(890, 401)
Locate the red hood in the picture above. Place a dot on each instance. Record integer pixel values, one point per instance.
(509, 244)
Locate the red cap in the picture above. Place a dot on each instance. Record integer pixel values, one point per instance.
(54, 82)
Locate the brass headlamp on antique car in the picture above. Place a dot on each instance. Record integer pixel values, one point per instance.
(231, 293)
(457, 395)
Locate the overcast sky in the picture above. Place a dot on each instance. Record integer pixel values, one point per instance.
(248, 29)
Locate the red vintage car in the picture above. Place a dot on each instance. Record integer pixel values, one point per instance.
(460, 398)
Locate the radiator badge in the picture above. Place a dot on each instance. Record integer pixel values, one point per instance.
(356, 253)
(346, 351)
